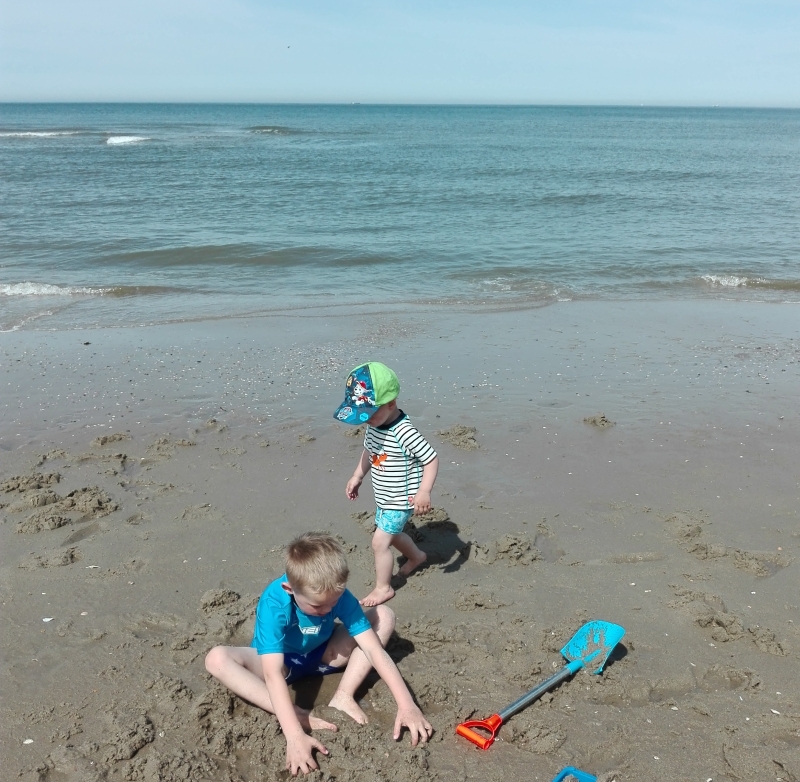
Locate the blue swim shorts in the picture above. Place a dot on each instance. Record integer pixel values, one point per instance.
(302, 665)
(392, 521)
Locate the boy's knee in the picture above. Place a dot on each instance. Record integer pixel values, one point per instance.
(215, 659)
(381, 540)
(383, 620)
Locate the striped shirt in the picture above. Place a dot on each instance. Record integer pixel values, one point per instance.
(398, 453)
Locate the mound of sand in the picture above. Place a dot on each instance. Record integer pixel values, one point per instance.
(599, 420)
(461, 437)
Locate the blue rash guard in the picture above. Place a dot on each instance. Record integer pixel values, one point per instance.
(282, 628)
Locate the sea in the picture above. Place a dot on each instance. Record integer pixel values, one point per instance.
(117, 215)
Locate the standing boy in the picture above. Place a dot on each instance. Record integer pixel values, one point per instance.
(295, 637)
(402, 463)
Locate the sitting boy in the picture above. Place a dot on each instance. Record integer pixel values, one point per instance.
(295, 636)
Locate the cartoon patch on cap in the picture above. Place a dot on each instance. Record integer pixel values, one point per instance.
(360, 393)
(367, 388)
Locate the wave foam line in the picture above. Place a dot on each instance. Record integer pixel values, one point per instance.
(24, 322)
(38, 133)
(42, 289)
(729, 280)
(277, 130)
(119, 291)
(736, 281)
(126, 139)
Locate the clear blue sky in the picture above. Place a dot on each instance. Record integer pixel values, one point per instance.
(679, 52)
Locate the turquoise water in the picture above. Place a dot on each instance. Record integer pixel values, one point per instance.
(126, 214)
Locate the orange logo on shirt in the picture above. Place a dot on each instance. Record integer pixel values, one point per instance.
(378, 459)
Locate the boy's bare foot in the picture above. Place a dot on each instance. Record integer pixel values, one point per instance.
(377, 596)
(309, 722)
(348, 705)
(412, 564)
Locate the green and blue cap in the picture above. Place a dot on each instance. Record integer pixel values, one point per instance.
(368, 387)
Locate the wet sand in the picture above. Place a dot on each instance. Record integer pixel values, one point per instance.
(151, 477)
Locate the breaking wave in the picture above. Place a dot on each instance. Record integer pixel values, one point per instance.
(38, 133)
(43, 289)
(127, 139)
(730, 280)
(20, 289)
(275, 130)
(737, 281)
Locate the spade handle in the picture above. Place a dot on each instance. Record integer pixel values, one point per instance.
(537, 692)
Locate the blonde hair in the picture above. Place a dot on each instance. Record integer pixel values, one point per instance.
(315, 562)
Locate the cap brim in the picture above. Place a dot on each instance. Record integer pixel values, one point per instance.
(348, 413)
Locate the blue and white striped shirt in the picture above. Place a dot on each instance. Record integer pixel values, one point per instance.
(398, 453)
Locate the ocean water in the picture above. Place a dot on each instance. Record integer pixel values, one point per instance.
(120, 215)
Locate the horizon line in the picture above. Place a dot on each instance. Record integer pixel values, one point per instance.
(408, 104)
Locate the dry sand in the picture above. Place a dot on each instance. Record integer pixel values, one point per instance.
(150, 478)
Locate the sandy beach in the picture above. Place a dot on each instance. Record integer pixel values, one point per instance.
(633, 462)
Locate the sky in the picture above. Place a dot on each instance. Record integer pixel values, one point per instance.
(664, 52)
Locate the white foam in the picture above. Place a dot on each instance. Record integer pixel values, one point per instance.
(126, 139)
(42, 289)
(730, 280)
(39, 133)
(19, 324)
(500, 283)
(507, 284)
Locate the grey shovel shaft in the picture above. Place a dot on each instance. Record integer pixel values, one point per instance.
(531, 696)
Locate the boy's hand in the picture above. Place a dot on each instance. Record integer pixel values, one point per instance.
(422, 502)
(352, 488)
(419, 728)
(300, 755)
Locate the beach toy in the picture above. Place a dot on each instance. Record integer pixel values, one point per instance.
(571, 771)
(588, 648)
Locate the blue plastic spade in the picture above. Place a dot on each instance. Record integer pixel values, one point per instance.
(575, 773)
(588, 648)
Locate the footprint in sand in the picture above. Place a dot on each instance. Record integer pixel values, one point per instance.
(688, 530)
(51, 559)
(709, 612)
(475, 599)
(105, 439)
(767, 641)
